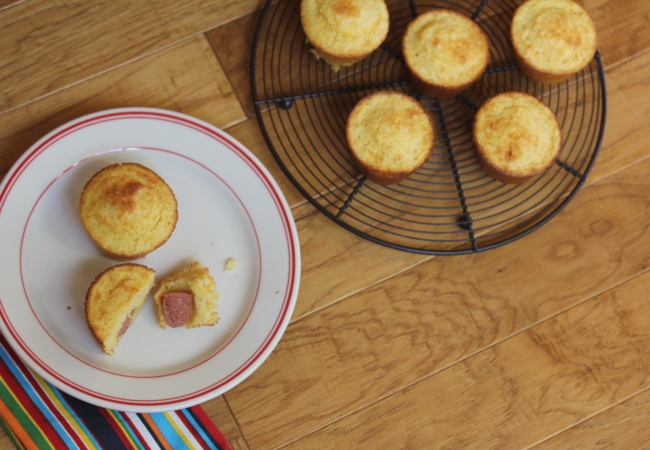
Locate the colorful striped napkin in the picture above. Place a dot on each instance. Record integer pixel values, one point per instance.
(36, 415)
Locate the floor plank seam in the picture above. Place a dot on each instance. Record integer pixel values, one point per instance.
(591, 416)
(625, 98)
(464, 358)
(234, 418)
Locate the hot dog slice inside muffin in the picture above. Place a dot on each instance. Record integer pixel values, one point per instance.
(172, 295)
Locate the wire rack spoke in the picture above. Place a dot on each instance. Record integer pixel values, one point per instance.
(286, 101)
(450, 205)
(570, 169)
(479, 9)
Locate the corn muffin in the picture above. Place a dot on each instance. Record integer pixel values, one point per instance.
(552, 39)
(187, 298)
(128, 210)
(445, 53)
(390, 136)
(114, 300)
(344, 31)
(517, 137)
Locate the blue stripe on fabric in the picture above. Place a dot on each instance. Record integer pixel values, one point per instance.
(34, 397)
(199, 427)
(168, 431)
(74, 416)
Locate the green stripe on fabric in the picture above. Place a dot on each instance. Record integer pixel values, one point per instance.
(23, 418)
(12, 436)
(126, 427)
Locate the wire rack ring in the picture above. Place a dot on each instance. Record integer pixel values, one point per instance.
(450, 205)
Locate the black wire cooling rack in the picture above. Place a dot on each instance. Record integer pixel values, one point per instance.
(450, 205)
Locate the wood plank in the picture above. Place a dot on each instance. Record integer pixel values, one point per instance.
(161, 80)
(597, 242)
(523, 389)
(623, 426)
(72, 41)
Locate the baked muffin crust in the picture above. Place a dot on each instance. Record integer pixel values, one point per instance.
(344, 31)
(128, 210)
(552, 39)
(390, 136)
(445, 52)
(517, 137)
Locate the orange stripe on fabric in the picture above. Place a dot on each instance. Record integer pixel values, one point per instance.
(156, 431)
(16, 428)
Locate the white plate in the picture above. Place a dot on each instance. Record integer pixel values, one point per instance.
(229, 206)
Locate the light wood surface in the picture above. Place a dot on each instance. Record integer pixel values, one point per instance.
(542, 343)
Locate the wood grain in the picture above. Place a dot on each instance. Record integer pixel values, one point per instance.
(442, 311)
(160, 80)
(73, 41)
(622, 426)
(519, 391)
(232, 45)
(620, 26)
(4, 4)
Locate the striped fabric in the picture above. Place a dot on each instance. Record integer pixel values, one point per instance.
(36, 415)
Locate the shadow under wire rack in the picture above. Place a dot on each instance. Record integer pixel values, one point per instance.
(450, 205)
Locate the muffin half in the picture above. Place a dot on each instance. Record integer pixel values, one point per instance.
(114, 300)
(187, 298)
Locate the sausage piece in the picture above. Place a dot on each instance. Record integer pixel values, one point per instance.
(125, 324)
(177, 308)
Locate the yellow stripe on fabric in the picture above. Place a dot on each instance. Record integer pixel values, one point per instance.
(181, 434)
(125, 428)
(38, 439)
(81, 432)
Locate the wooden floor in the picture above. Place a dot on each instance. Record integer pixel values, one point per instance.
(543, 343)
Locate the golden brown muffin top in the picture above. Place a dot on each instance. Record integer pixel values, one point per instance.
(553, 36)
(390, 131)
(128, 210)
(517, 134)
(445, 48)
(345, 28)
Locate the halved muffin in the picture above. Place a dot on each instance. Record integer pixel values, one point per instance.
(445, 52)
(128, 210)
(517, 137)
(552, 39)
(390, 136)
(187, 298)
(114, 300)
(344, 31)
